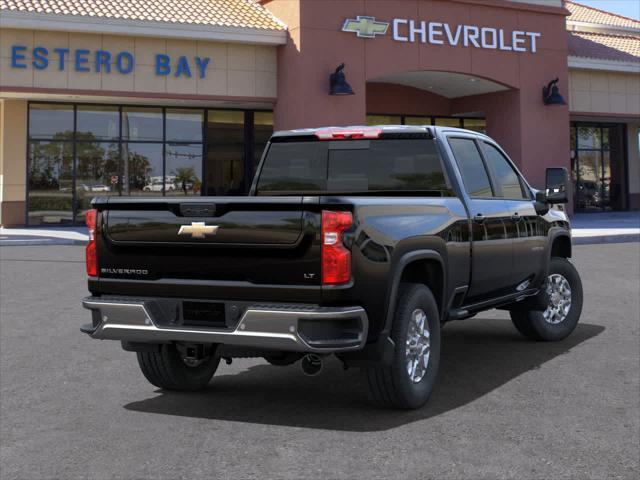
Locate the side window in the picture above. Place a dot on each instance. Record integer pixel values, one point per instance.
(474, 174)
(506, 176)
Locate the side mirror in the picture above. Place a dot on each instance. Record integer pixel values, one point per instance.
(556, 186)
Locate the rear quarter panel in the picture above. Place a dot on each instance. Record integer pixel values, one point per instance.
(386, 229)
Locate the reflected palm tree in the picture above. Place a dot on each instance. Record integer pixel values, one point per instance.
(186, 179)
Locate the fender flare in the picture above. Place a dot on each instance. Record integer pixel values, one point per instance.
(557, 233)
(405, 260)
(554, 234)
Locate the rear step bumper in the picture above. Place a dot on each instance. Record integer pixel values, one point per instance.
(294, 328)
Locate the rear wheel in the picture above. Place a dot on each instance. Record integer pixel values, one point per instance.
(169, 369)
(409, 381)
(561, 316)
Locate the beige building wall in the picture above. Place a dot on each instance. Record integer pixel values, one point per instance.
(235, 70)
(13, 161)
(592, 91)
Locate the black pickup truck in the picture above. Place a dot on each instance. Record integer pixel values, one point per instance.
(359, 242)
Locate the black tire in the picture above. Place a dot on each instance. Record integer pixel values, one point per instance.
(533, 325)
(391, 386)
(166, 369)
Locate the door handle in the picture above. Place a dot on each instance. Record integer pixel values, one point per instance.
(479, 218)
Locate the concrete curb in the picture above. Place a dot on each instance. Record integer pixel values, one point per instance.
(606, 239)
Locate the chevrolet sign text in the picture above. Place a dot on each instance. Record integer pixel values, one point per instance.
(439, 33)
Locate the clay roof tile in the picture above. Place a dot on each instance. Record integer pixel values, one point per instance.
(624, 48)
(225, 13)
(582, 13)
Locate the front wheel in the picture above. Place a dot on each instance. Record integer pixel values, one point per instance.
(169, 369)
(561, 316)
(408, 382)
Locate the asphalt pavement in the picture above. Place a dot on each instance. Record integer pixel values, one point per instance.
(504, 407)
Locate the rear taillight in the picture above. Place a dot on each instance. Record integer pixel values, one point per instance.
(92, 252)
(336, 259)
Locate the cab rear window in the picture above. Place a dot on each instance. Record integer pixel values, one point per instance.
(355, 166)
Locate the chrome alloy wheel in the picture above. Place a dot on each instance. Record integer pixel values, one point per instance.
(418, 346)
(559, 292)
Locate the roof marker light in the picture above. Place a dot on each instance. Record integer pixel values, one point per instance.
(348, 133)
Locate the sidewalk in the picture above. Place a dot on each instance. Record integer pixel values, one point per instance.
(588, 228)
(43, 236)
(608, 227)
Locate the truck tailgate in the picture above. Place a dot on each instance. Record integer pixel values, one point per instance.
(256, 240)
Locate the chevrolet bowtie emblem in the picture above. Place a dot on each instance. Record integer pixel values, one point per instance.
(198, 230)
(365, 27)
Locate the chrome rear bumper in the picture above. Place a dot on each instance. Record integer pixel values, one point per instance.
(292, 328)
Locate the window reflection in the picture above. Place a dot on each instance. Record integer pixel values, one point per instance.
(184, 169)
(475, 124)
(97, 172)
(47, 121)
(589, 137)
(184, 125)
(50, 172)
(143, 169)
(384, 120)
(95, 122)
(263, 129)
(131, 150)
(225, 153)
(417, 121)
(474, 174)
(598, 167)
(142, 124)
(448, 122)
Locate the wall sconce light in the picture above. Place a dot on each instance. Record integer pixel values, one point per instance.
(338, 82)
(551, 94)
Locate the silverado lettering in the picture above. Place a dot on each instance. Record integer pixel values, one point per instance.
(125, 271)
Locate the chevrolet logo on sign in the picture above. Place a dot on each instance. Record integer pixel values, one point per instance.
(365, 27)
(198, 230)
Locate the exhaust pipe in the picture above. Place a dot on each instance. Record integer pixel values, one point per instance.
(311, 364)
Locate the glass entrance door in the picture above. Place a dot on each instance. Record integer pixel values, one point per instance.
(598, 167)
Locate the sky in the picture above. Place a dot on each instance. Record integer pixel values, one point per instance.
(628, 8)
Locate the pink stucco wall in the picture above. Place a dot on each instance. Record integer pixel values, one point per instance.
(536, 136)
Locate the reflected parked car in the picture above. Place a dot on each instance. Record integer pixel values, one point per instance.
(95, 188)
(156, 186)
(87, 188)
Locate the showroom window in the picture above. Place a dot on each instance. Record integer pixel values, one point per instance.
(77, 152)
(598, 161)
(475, 124)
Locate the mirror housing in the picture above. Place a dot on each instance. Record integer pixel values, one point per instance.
(556, 189)
(540, 204)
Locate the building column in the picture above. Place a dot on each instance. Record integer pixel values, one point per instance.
(534, 135)
(13, 162)
(304, 65)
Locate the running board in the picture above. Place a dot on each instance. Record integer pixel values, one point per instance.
(468, 311)
(459, 314)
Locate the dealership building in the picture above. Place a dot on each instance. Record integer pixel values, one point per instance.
(178, 97)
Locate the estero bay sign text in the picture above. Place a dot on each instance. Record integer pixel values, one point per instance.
(98, 61)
